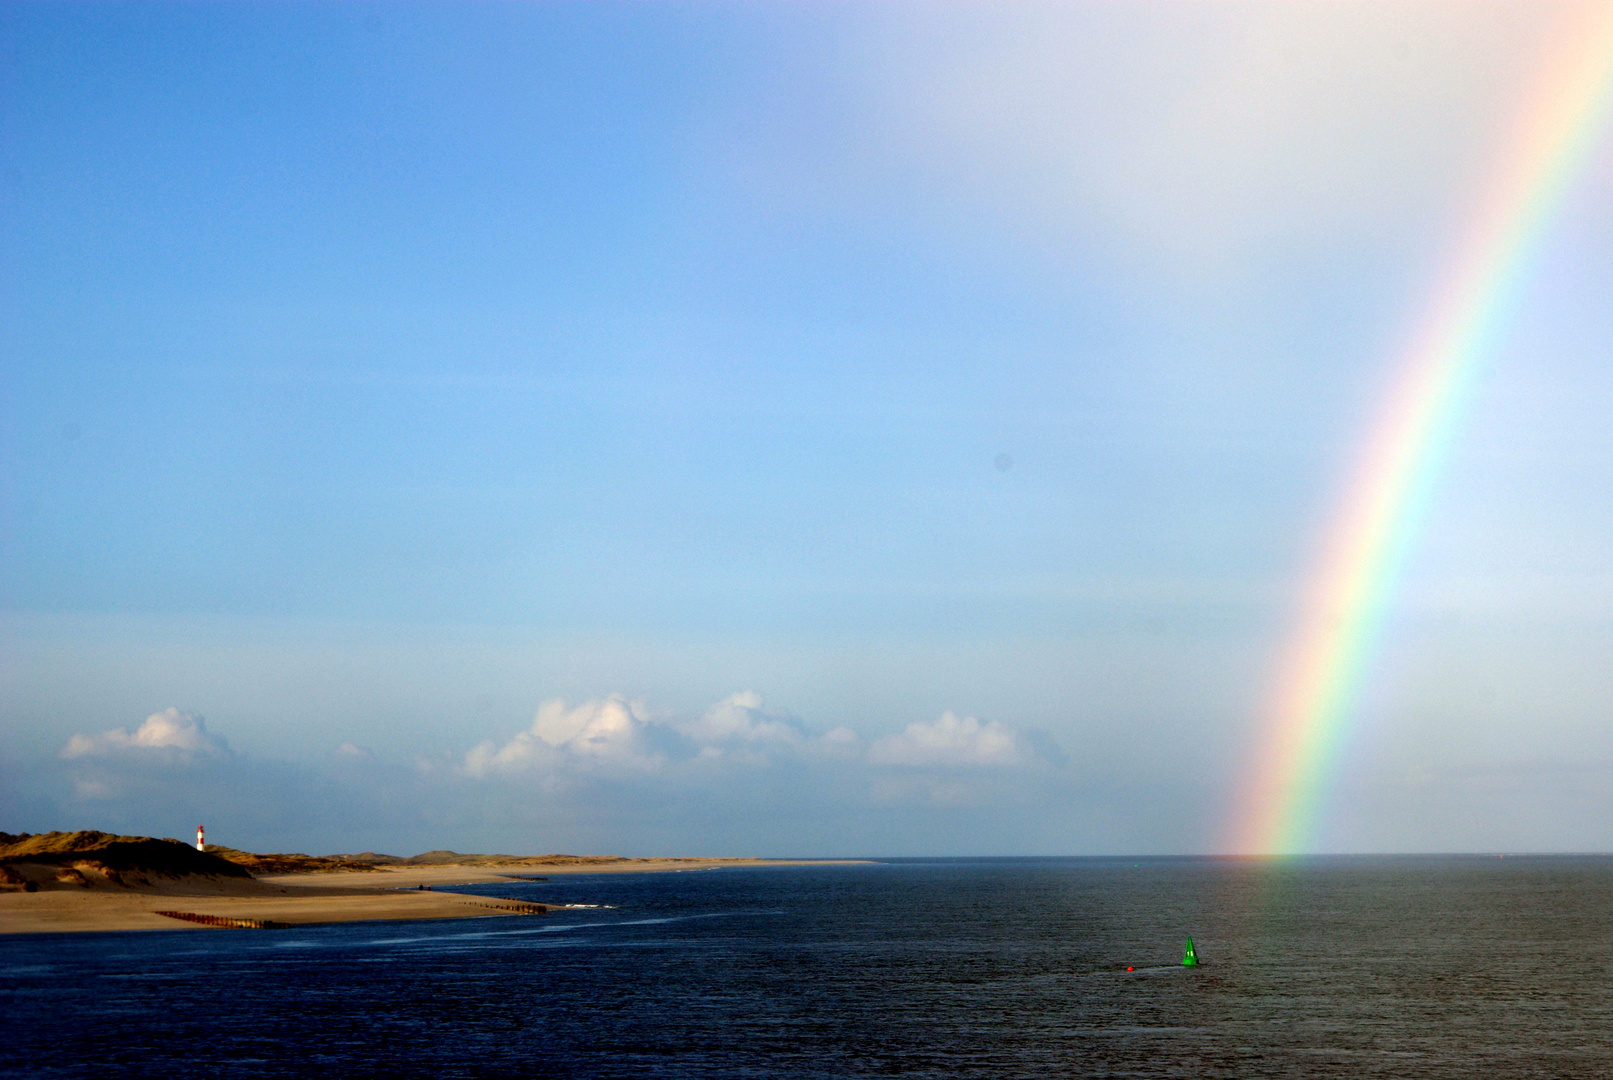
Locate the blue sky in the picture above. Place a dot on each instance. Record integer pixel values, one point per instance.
(374, 374)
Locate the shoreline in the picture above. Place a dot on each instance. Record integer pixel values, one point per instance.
(308, 899)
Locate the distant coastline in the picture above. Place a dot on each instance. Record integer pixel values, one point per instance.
(91, 881)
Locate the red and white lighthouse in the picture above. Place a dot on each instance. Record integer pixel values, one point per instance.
(199, 845)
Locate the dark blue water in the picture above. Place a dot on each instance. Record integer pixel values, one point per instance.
(1350, 967)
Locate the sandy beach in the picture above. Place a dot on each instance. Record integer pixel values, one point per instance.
(302, 899)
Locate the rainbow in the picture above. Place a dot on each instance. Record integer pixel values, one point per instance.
(1320, 677)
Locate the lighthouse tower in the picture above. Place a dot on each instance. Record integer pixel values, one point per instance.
(199, 845)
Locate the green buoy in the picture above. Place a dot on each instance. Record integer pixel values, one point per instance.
(1191, 957)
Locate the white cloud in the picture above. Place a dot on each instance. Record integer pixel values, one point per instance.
(950, 741)
(614, 733)
(609, 733)
(170, 731)
(739, 718)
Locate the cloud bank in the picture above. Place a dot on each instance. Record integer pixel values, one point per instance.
(607, 774)
(615, 736)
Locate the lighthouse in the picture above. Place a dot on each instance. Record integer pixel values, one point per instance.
(199, 845)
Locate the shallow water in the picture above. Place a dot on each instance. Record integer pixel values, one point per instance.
(1348, 967)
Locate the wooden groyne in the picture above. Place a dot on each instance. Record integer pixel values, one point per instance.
(225, 922)
(519, 908)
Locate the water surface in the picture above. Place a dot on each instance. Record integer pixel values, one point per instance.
(1347, 967)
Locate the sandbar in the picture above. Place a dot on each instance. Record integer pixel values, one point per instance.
(305, 899)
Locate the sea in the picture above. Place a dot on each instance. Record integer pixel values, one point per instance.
(1405, 966)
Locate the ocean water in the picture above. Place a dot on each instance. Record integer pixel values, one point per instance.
(1348, 967)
